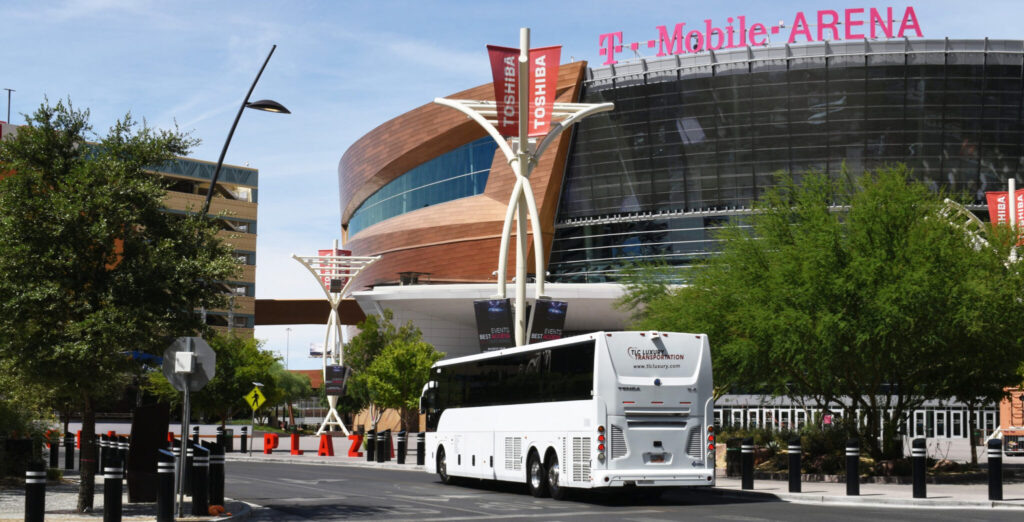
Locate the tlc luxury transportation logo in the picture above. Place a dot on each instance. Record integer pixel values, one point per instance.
(827, 24)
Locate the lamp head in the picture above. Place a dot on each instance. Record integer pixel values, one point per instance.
(268, 105)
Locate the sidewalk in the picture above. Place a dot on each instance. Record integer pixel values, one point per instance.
(959, 496)
(62, 499)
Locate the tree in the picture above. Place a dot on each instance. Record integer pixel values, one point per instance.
(858, 295)
(405, 348)
(285, 388)
(90, 265)
(396, 377)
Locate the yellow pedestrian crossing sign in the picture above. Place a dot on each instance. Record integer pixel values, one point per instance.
(255, 399)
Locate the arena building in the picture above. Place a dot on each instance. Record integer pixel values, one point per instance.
(694, 139)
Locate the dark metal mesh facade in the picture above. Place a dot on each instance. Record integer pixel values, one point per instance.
(695, 139)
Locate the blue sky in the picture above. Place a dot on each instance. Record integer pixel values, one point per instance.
(342, 68)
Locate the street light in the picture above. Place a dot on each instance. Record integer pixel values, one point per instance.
(261, 105)
(288, 346)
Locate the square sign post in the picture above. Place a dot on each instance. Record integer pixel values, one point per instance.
(189, 363)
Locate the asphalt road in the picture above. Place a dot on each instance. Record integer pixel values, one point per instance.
(295, 492)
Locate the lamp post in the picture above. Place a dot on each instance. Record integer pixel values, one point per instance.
(287, 346)
(261, 105)
(9, 91)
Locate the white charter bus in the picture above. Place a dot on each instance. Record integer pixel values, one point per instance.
(607, 409)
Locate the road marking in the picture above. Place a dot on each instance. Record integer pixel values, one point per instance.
(306, 482)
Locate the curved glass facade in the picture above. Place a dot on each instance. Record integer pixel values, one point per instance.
(456, 174)
(694, 139)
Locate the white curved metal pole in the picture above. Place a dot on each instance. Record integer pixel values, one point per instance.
(477, 117)
(506, 235)
(521, 272)
(538, 239)
(569, 122)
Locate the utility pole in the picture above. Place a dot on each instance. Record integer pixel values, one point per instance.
(9, 91)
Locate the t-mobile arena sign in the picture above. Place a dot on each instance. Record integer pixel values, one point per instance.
(851, 24)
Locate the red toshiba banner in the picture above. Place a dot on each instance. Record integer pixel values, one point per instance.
(543, 83)
(999, 207)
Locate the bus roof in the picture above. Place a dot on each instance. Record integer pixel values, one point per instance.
(541, 346)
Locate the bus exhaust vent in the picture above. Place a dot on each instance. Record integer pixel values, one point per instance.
(580, 459)
(617, 443)
(695, 444)
(513, 453)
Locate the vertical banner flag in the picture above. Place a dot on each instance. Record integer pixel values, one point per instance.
(494, 323)
(325, 269)
(543, 71)
(999, 207)
(548, 320)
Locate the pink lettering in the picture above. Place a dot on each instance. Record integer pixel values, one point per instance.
(611, 47)
(910, 22)
(886, 25)
(800, 27)
(851, 23)
(670, 45)
(694, 41)
(729, 33)
(755, 31)
(711, 31)
(822, 24)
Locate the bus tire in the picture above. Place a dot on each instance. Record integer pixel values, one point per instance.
(442, 467)
(553, 472)
(536, 476)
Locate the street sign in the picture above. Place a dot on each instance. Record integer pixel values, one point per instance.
(255, 398)
(203, 368)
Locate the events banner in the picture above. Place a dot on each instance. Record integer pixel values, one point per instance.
(334, 380)
(548, 321)
(494, 323)
(326, 269)
(543, 84)
(999, 206)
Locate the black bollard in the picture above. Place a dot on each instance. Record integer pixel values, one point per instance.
(165, 486)
(747, 463)
(122, 451)
(995, 469)
(380, 446)
(220, 435)
(113, 489)
(195, 434)
(54, 441)
(852, 468)
(918, 454)
(186, 478)
(794, 451)
(401, 447)
(245, 437)
(200, 467)
(103, 454)
(69, 451)
(371, 445)
(35, 492)
(387, 446)
(421, 449)
(216, 476)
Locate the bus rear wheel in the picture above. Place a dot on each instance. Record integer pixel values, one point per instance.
(536, 478)
(553, 471)
(442, 467)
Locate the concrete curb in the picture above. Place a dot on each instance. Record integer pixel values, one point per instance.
(869, 500)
